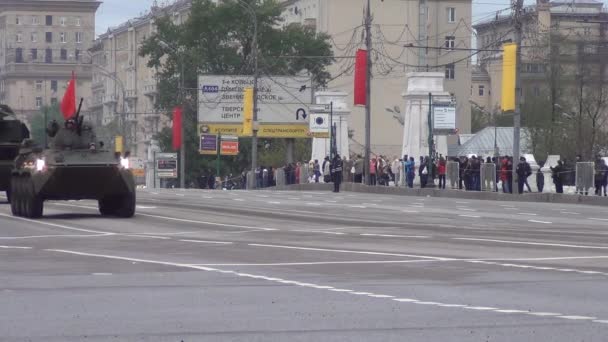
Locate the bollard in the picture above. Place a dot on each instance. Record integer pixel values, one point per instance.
(453, 174)
(488, 177)
(585, 176)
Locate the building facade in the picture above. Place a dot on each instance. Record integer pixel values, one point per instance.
(573, 31)
(41, 43)
(408, 36)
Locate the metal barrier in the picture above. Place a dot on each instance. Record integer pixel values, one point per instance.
(304, 174)
(488, 177)
(280, 177)
(585, 177)
(453, 174)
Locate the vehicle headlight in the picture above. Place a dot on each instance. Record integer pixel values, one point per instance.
(124, 162)
(40, 165)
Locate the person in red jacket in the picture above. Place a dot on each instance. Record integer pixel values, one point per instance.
(441, 170)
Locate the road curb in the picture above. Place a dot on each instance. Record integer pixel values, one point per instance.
(459, 194)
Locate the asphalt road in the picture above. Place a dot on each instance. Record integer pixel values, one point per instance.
(305, 266)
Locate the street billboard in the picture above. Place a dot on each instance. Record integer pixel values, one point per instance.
(208, 144)
(283, 105)
(166, 165)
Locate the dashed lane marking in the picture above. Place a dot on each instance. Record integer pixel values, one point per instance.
(348, 251)
(471, 216)
(101, 274)
(15, 247)
(537, 221)
(528, 214)
(533, 243)
(149, 237)
(398, 236)
(333, 289)
(569, 213)
(539, 268)
(272, 202)
(598, 219)
(206, 222)
(211, 242)
(55, 225)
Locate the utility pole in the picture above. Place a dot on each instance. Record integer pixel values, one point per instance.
(517, 20)
(368, 91)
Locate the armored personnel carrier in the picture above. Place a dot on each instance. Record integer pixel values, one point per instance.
(75, 167)
(12, 133)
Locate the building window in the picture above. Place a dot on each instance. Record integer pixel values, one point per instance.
(77, 21)
(49, 20)
(19, 55)
(481, 90)
(53, 85)
(48, 56)
(451, 14)
(19, 38)
(35, 20)
(49, 37)
(587, 31)
(450, 71)
(54, 101)
(450, 43)
(62, 21)
(34, 54)
(18, 20)
(64, 54)
(62, 37)
(77, 55)
(34, 37)
(38, 85)
(39, 102)
(78, 37)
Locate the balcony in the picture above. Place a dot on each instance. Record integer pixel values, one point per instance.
(110, 99)
(131, 94)
(150, 89)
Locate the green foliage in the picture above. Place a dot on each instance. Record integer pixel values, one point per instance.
(219, 39)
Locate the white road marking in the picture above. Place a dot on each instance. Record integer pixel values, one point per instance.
(15, 247)
(154, 193)
(144, 207)
(274, 202)
(54, 236)
(512, 311)
(598, 219)
(410, 211)
(317, 286)
(212, 242)
(528, 214)
(180, 195)
(315, 263)
(149, 236)
(461, 202)
(537, 221)
(357, 206)
(331, 233)
(538, 267)
(101, 274)
(238, 199)
(313, 203)
(472, 216)
(533, 243)
(55, 225)
(348, 251)
(601, 321)
(328, 201)
(206, 222)
(400, 236)
(569, 213)
(464, 209)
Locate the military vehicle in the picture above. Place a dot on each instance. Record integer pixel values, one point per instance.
(12, 133)
(74, 167)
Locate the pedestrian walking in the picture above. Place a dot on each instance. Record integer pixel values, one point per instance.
(557, 173)
(316, 170)
(395, 170)
(336, 172)
(359, 169)
(540, 177)
(523, 172)
(410, 172)
(424, 172)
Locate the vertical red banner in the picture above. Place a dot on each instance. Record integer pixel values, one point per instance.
(360, 77)
(68, 103)
(177, 128)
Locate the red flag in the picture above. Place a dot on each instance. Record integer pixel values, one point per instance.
(68, 103)
(360, 77)
(177, 128)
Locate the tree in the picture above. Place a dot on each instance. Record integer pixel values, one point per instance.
(218, 39)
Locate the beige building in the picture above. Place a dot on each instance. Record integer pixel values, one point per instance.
(582, 22)
(42, 42)
(439, 32)
(124, 88)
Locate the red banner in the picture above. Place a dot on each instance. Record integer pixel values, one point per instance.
(177, 128)
(68, 103)
(360, 77)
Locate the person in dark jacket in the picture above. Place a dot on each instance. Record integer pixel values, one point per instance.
(336, 172)
(540, 177)
(523, 171)
(600, 175)
(423, 172)
(558, 176)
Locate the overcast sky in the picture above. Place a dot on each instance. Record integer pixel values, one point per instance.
(114, 12)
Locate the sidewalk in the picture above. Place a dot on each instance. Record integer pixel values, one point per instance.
(448, 193)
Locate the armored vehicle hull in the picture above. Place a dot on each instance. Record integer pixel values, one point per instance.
(72, 175)
(12, 133)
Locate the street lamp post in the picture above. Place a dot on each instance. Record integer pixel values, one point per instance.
(181, 101)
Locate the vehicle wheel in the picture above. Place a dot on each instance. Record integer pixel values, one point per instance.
(15, 197)
(20, 197)
(126, 205)
(34, 205)
(106, 206)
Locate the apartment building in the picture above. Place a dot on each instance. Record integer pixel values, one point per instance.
(123, 87)
(424, 35)
(41, 43)
(546, 26)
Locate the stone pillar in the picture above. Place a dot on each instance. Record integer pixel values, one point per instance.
(416, 125)
(341, 114)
